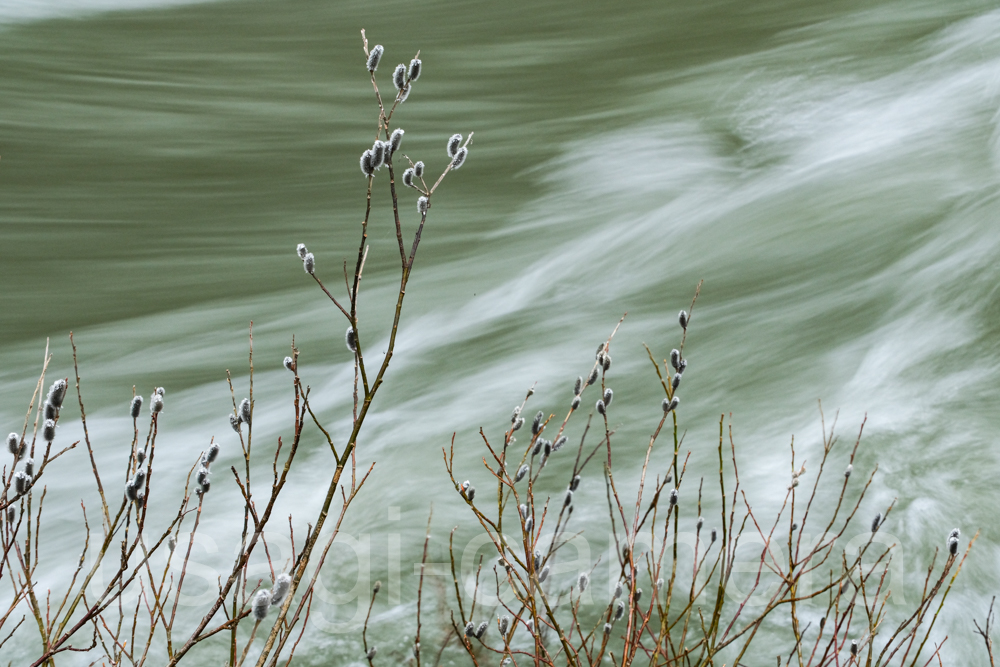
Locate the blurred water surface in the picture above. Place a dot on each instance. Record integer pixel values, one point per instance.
(829, 169)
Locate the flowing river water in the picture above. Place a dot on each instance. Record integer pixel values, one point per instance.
(830, 170)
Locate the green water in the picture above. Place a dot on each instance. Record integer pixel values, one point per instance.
(829, 169)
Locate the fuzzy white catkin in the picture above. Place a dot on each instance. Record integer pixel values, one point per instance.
(281, 587)
(367, 165)
(13, 443)
(261, 603)
(309, 264)
(422, 205)
(454, 142)
(395, 139)
(155, 403)
(415, 67)
(57, 392)
(289, 363)
(135, 406)
(418, 169)
(49, 430)
(374, 56)
(245, 410)
(399, 76)
(301, 250)
(349, 340)
(459, 158)
(408, 177)
(378, 154)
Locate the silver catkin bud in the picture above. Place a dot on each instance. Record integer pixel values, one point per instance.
(683, 366)
(172, 543)
(201, 477)
(161, 391)
(575, 404)
(531, 625)
(670, 404)
(395, 139)
(558, 444)
(49, 410)
(675, 359)
(471, 493)
(953, 546)
(956, 533)
(454, 143)
(155, 403)
(301, 250)
(575, 483)
(470, 629)
(14, 443)
(515, 414)
(659, 584)
(415, 67)
(518, 423)
(481, 630)
(547, 447)
(349, 340)
(245, 411)
(537, 559)
(140, 478)
(404, 93)
(140, 456)
(465, 485)
(289, 363)
(593, 377)
(211, 455)
(378, 154)
(459, 158)
(234, 421)
(601, 408)
(22, 482)
(682, 317)
(399, 76)
(281, 587)
(504, 624)
(49, 430)
(371, 653)
(715, 534)
(606, 363)
(529, 523)
(130, 490)
(11, 515)
(578, 387)
(607, 629)
(638, 594)
(676, 381)
(877, 521)
(521, 472)
(57, 393)
(620, 610)
(568, 500)
(600, 351)
(367, 165)
(850, 469)
(582, 581)
(854, 647)
(261, 603)
(618, 591)
(418, 169)
(135, 406)
(544, 574)
(408, 177)
(700, 523)
(536, 424)
(608, 395)
(422, 205)
(673, 497)
(377, 587)
(524, 510)
(374, 56)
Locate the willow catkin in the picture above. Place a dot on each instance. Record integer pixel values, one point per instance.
(135, 406)
(575, 404)
(234, 421)
(408, 177)
(49, 430)
(49, 410)
(261, 603)
(281, 587)
(536, 424)
(210, 455)
(245, 410)
(289, 363)
(682, 318)
(155, 404)
(395, 139)
(521, 472)
(620, 610)
(454, 142)
(399, 76)
(418, 169)
(470, 629)
(374, 56)
(601, 408)
(415, 68)
(459, 158)
(422, 205)
(13, 443)
(350, 341)
(877, 521)
(578, 387)
(582, 581)
(481, 630)
(675, 359)
(367, 165)
(592, 378)
(22, 482)
(608, 395)
(504, 624)
(301, 250)
(57, 392)
(378, 154)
